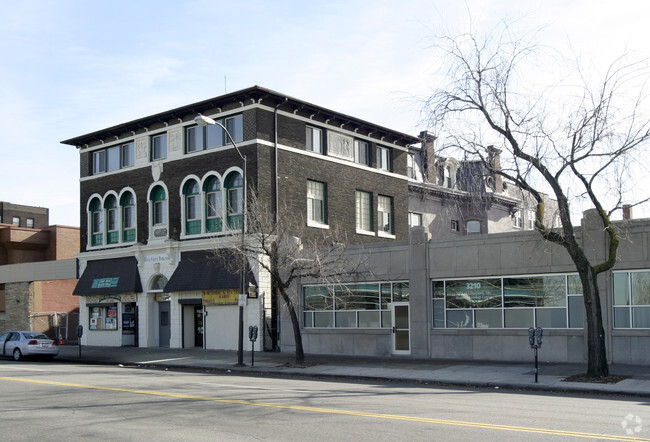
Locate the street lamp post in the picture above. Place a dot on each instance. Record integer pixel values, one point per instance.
(202, 120)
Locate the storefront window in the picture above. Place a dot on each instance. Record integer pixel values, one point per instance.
(352, 305)
(103, 317)
(631, 299)
(547, 301)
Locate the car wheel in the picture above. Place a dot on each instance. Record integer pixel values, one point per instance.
(17, 354)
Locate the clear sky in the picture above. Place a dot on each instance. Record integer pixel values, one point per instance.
(70, 67)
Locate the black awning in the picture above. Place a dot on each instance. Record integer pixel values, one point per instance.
(191, 301)
(110, 276)
(202, 270)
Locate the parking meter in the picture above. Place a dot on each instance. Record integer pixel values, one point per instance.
(252, 335)
(80, 332)
(535, 341)
(531, 337)
(539, 332)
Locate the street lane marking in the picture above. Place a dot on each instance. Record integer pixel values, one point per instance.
(162, 360)
(334, 411)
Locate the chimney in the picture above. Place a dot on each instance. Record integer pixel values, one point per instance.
(627, 212)
(494, 157)
(428, 156)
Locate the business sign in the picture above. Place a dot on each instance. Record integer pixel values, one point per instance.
(105, 283)
(220, 297)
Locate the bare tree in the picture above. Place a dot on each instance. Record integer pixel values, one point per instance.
(580, 146)
(281, 245)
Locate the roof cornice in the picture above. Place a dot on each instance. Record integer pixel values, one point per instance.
(252, 95)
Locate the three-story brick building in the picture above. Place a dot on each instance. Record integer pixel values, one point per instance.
(160, 192)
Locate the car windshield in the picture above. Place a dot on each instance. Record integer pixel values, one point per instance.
(35, 336)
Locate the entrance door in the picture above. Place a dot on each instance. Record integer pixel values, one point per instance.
(401, 329)
(198, 326)
(128, 324)
(163, 323)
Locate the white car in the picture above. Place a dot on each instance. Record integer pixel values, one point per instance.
(20, 344)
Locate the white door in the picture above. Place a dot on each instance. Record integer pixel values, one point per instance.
(401, 329)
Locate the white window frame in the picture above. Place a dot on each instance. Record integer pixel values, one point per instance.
(314, 139)
(410, 166)
(531, 220)
(99, 161)
(383, 158)
(159, 147)
(361, 152)
(417, 217)
(518, 219)
(363, 209)
(385, 216)
(316, 204)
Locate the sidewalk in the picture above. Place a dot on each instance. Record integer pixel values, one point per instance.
(495, 375)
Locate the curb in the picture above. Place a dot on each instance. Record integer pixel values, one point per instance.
(291, 373)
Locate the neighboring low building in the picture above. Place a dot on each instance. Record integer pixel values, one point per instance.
(455, 198)
(38, 273)
(24, 216)
(474, 297)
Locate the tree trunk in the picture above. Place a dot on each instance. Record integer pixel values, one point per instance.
(297, 337)
(596, 356)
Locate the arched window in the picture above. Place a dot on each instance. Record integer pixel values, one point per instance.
(96, 223)
(112, 221)
(158, 284)
(213, 205)
(159, 205)
(128, 217)
(192, 195)
(235, 192)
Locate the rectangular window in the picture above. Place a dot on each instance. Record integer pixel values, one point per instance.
(112, 158)
(160, 212)
(530, 224)
(193, 207)
(103, 318)
(364, 212)
(631, 299)
(15, 221)
(159, 147)
(385, 215)
(129, 217)
(194, 139)
(415, 219)
(518, 219)
(410, 166)
(473, 227)
(361, 152)
(99, 162)
(316, 203)
(29, 222)
(128, 154)
(314, 140)
(383, 158)
(235, 126)
(454, 225)
(214, 136)
(548, 301)
(362, 305)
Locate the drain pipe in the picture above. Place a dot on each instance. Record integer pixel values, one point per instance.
(275, 157)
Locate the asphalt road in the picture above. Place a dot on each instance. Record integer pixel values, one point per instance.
(54, 401)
